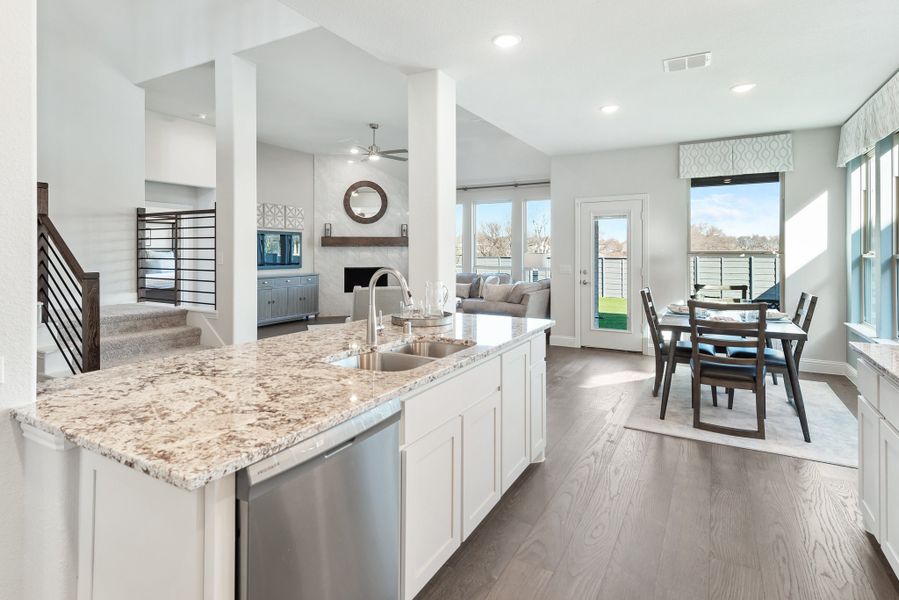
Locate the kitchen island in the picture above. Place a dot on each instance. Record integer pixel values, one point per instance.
(157, 444)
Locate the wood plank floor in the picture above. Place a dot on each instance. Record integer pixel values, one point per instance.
(616, 513)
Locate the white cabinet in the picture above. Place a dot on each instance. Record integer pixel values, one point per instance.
(481, 454)
(516, 450)
(432, 490)
(537, 393)
(869, 466)
(889, 493)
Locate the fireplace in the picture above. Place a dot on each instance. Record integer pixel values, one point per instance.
(353, 276)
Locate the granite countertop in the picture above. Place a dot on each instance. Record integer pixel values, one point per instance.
(193, 418)
(883, 357)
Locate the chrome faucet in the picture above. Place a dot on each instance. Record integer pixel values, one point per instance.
(373, 326)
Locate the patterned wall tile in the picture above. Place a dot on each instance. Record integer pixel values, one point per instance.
(273, 216)
(293, 218)
(260, 219)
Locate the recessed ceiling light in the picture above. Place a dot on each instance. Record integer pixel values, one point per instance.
(742, 88)
(349, 162)
(506, 40)
(609, 108)
(201, 116)
(354, 150)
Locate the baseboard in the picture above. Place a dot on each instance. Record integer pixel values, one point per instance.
(824, 367)
(565, 341)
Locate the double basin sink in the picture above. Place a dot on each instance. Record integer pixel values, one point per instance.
(402, 358)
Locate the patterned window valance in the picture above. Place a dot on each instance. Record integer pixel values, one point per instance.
(738, 156)
(876, 119)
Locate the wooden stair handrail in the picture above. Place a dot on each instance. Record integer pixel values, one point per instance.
(88, 280)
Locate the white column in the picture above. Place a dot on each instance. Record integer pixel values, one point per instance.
(432, 180)
(235, 194)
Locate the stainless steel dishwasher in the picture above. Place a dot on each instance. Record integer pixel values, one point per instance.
(321, 520)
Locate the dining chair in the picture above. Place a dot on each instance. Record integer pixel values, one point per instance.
(775, 361)
(700, 291)
(730, 372)
(660, 346)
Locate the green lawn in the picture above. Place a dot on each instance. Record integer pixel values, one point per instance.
(611, 313)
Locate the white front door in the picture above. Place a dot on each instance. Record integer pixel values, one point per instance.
(611, 274)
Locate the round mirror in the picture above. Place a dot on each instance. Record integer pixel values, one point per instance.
(365, 202)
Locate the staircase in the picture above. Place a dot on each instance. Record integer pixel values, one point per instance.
(129, 333)
(135, 332)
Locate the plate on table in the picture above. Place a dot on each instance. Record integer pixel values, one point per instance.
(776, 315)
(683, 309)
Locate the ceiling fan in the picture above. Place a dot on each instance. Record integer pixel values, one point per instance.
(373, 152)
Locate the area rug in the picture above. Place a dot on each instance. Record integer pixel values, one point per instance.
(833, 429)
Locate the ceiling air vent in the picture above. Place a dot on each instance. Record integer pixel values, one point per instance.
(685, 63)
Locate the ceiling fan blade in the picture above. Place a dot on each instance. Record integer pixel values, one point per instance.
(393, 157)
(396, 151)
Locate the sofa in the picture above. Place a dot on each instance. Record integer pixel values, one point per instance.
(523, 299)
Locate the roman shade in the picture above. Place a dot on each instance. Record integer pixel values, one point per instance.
(737, 156)
(876, 119)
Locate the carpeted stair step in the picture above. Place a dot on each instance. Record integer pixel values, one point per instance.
(130, 318)
(119, 348)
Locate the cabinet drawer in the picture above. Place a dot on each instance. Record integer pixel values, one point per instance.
(263, 284)
(308, 279)
(867, 383)
(282, 282)
(435, 406)
(538, 349)
(889, 402)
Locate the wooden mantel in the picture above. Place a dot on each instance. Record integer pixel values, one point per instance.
(347, 240)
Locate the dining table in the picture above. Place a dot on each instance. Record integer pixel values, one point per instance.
(786, 331)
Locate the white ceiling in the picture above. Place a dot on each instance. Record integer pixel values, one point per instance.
(317, 93)
(815, 62)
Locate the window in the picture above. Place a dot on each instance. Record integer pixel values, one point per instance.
(868, 248)
(538, 240)
(735, 237)
(460, 237)
(493, 238)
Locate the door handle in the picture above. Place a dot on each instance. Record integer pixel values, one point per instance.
(584, 282)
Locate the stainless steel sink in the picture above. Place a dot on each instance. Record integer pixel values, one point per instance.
(382, 361)
(430, 349)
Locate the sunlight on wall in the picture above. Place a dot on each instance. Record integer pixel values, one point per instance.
(806, 234)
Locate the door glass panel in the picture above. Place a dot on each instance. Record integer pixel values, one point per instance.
(610, 275)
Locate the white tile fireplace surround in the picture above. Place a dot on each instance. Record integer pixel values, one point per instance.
(333, 175)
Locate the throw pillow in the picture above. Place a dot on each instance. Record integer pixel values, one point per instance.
(462, 290)
(522, 288)
(485, 281)
(498, 292)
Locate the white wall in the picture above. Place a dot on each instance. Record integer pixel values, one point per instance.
(815, 241)
(18, 259)
(333, 175)
(179, 151)
(171, 35)
(91, 136)
(653, 171)
(285, 176)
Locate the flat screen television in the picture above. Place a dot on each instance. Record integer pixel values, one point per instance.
(279, 250)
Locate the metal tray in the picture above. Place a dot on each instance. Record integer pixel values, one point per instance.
(446, 319)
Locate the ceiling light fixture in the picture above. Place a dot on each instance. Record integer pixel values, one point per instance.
(506, 40)
(742, 88)
(201, 115)
(609, 108)
(374, 157)
(349, 162)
